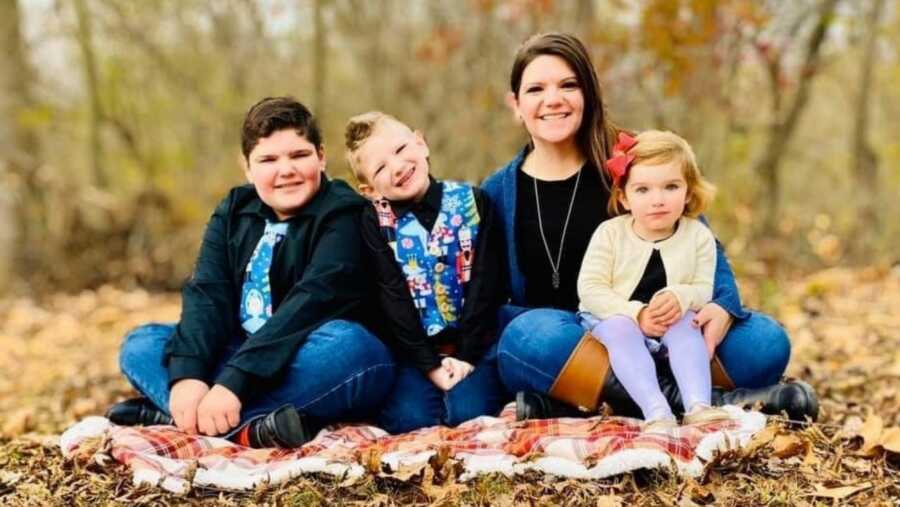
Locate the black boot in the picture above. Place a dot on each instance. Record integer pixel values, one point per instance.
(285, 427)
(137, 412)
(795, 398)
(535, 405)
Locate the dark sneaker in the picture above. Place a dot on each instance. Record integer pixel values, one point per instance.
(285, 427)
(137, 412)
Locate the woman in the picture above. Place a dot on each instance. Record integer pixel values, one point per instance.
(550, 198)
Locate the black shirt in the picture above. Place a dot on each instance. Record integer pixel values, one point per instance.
(652, 281)
(402, 327)
(588, 211)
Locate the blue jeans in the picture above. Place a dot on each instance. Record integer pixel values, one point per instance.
(341, 372)
(416, 403)
(536, 343)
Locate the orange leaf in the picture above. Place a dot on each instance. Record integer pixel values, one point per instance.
(871, 433)
(785, 446)
(890, 440)
(839, 492)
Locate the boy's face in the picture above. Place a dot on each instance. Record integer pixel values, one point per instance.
(656, 196)
(286, 170)
(394, 163)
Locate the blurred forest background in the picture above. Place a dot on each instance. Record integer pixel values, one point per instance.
(119, 119)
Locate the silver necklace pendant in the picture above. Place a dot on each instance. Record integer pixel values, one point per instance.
(554, 280)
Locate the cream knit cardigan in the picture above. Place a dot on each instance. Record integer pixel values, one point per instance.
(617, 257)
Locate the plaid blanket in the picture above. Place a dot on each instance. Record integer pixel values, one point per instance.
(588, 448)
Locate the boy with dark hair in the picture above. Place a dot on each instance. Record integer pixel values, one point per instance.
(266, 351)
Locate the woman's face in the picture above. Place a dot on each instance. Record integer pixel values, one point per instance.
(550, 100)
(286, 170)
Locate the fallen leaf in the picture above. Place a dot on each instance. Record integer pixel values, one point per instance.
(871, 434)
(839, 492)
(785, 446)
(890, 440)
(762, 438)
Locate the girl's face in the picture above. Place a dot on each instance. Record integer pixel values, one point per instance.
(550, 100)
(286, 170)
(655, 195)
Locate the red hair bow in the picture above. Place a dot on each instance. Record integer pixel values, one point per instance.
(618, 164)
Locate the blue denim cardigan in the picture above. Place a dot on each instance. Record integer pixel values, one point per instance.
(501, 187)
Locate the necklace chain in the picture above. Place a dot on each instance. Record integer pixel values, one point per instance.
(537, 201)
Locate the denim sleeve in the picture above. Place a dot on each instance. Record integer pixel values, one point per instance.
(725, 290)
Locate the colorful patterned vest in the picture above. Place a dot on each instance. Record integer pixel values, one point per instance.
(437, 265)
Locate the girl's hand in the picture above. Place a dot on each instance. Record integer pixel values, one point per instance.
(649, 326)
(715, 323)
(664, 309)
(219, 411)
(458, 369)
(441, 378)
(184, 399)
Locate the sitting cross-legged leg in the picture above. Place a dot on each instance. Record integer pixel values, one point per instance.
(341, 372)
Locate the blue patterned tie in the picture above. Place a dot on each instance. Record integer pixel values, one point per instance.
(256, 295)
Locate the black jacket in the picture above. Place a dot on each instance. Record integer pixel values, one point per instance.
(316, 276)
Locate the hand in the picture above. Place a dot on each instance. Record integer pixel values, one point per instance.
(457, 368)
(441, 378)
(219, 411)
(183, 401)
(648, 326)
(715, 323)
(664, 309)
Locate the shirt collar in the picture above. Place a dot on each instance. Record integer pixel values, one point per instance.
(432, 199)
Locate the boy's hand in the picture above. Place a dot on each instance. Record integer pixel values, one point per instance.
(457, 369)
(715, 323)
(649, 326)
(441, 378)
(184, 399)
(219, 411)
(664, 309)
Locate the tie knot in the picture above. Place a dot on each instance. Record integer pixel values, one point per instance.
(275, 229)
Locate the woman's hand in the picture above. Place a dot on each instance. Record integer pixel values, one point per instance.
(649, 326)
(664, 309)
(184, 399)
(219, 411)
(715, 322)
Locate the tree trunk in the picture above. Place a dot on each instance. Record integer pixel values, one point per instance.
(95, 118)
(785, 124)
(320, 57)
(865, 160)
